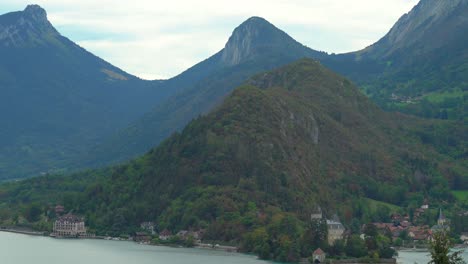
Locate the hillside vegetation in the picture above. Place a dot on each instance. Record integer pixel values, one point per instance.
(251, 171)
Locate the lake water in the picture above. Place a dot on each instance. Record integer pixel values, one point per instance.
(24, 249)
(411, 257)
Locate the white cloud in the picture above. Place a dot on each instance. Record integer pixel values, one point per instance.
(159, 39)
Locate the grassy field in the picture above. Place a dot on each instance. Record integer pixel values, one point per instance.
(373, 205)
(440, 97)
(461, 195)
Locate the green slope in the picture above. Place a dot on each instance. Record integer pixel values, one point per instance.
(423, 56)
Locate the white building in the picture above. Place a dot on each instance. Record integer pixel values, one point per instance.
(69, 226)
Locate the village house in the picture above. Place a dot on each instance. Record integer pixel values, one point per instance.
(165, 235)
(59, 210)
(69, 225)
(316, 214)
(142, 237)
(425, 205)
(335, 230)
(420, 233)
(318, 256)
(185, 235)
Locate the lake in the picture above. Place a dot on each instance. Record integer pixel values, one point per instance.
(411, 257)
(24, 249)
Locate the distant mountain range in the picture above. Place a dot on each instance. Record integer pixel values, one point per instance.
(64, 108)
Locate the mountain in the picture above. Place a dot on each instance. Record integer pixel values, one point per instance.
(56, 99)
(420, 66)
(74, 110)
(255, 46)
(259, 164)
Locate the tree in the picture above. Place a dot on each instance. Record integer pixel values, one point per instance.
(356, 247)
(33, 213)
(440, 250)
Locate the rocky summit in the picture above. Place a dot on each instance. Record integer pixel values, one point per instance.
(26, 27)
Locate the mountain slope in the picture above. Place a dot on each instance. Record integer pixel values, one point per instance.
(255, 46)
(420, 66)
(283, 143)
(57, 98)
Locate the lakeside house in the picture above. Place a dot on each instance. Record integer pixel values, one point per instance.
(69, 225)
(142, 237)
(165, 235)
(318, 256)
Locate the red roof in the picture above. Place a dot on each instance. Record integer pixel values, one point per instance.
(318, 251)
(166, 232)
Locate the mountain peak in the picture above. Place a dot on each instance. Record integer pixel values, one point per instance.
(253, 37)
(36, 12)
(26, 27)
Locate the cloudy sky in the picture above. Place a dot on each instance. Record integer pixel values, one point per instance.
(157, 39)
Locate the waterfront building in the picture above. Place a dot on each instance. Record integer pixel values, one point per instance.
(69, 225)
(165, 235)
(318, 256)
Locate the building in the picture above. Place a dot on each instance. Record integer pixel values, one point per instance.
(442, 223)
(335, 230)
(425, 205)
(464, 238)
(316, 214)
(69, 225)
(59, 209)
(149, 227)
(318, 256)
(142, 237)
(165, 235)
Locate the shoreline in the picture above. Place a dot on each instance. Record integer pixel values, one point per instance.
(229, 249)
(24, 232)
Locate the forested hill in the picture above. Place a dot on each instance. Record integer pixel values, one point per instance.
(283, 143)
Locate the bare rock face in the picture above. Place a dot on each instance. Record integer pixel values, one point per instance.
(36, 13)
(253, 37)
(430, 20)
(25, 27)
